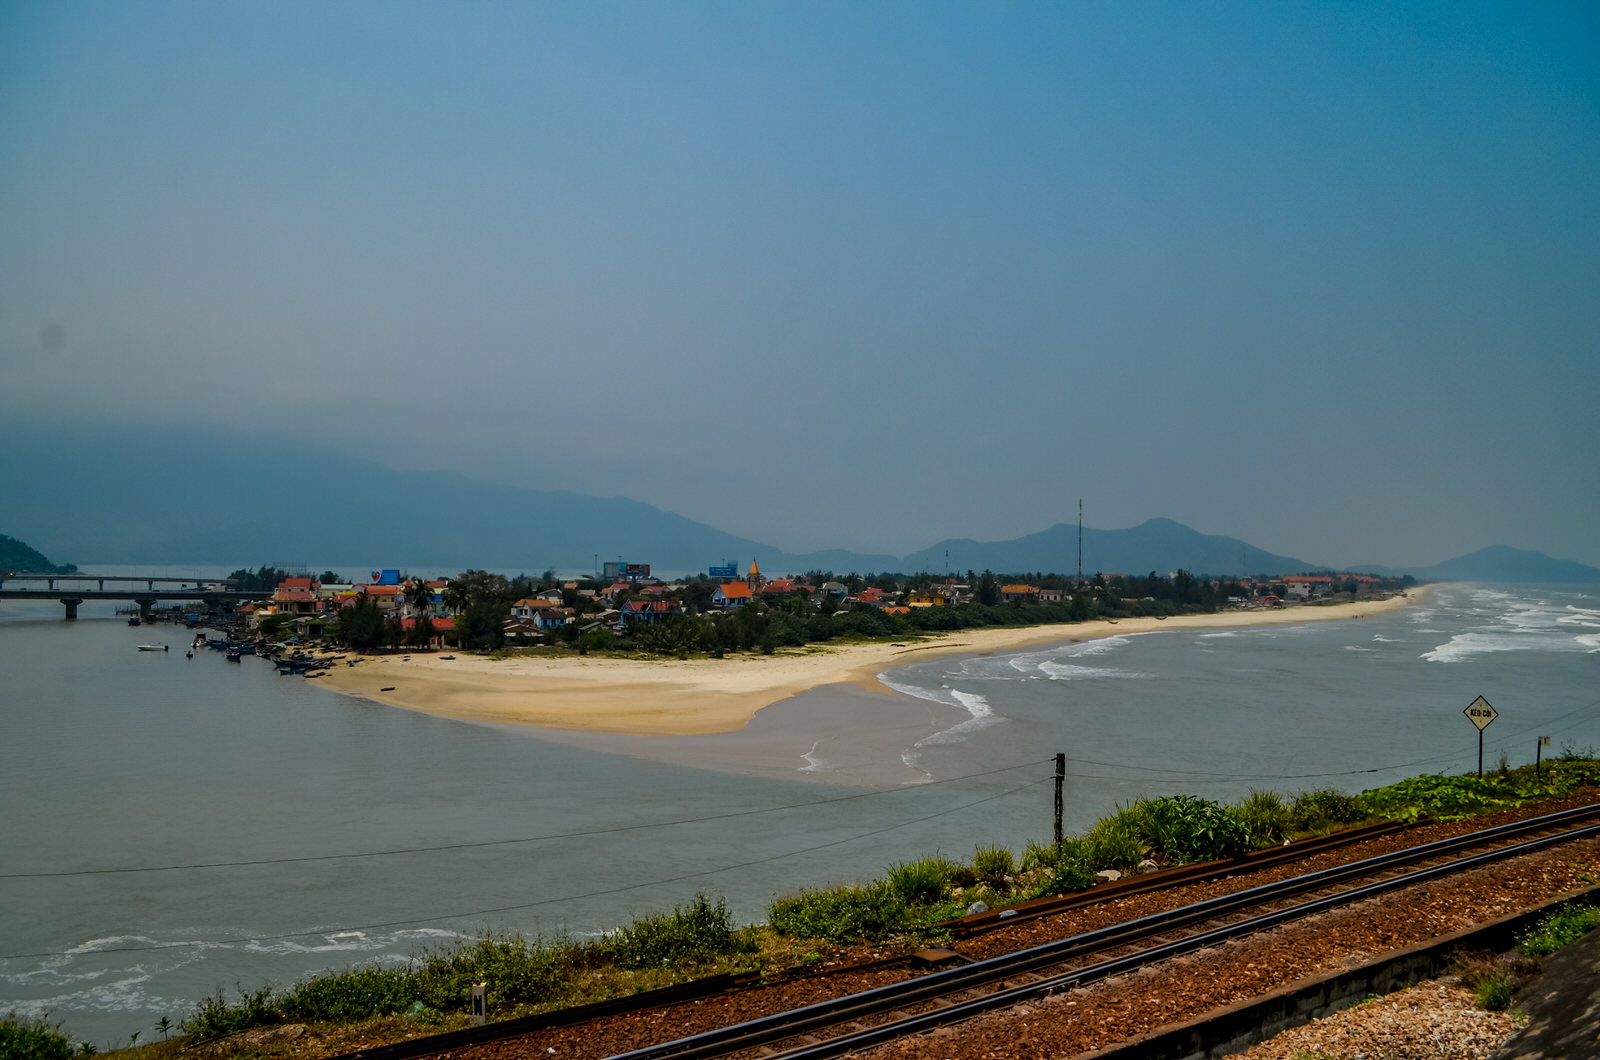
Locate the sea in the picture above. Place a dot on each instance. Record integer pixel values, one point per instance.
(172, 827)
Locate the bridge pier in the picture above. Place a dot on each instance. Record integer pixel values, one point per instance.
(144, 608)
(71, 604)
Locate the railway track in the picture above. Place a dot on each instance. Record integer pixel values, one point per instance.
(957, 994)
(875, 1016)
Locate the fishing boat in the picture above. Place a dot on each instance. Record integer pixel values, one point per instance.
(152, 647)
(134, 621)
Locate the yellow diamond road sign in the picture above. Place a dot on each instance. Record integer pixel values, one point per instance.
(1480, 713)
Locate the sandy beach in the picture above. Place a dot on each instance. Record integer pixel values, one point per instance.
(671, 697)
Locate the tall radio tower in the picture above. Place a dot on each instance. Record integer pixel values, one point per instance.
(1080, 539)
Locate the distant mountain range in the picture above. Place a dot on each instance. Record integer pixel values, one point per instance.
(1501, 563)
(165, 498)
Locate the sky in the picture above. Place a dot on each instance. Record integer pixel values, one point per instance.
(1324, 277)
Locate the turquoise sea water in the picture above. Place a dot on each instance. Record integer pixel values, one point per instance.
(277, 829)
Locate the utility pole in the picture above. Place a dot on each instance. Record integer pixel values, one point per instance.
(1080, 539)
(1061, 776)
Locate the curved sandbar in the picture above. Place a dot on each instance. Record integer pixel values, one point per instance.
(673, 697)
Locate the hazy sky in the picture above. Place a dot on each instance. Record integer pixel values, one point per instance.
(1325, 277)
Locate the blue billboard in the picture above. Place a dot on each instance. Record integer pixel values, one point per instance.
(385, 577)
(729, 571)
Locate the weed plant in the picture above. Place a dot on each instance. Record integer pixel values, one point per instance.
(1323, 810)
(1265, 817)
(841, 914)
(1066, 870)
(925, 881)
(1559, 929)
(991, 865)
(344, 997)
(1449, 798)
(1186, 828)
(518, 972)
(1115, 842)
(30, 1039)
(700, 932)
(1494, 991)
(214, 1017)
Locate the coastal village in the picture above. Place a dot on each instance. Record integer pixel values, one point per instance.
(624, 605)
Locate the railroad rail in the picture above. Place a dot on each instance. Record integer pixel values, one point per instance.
(1128, 886)
(959, 993)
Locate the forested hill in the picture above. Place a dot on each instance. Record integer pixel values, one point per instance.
(17, 556)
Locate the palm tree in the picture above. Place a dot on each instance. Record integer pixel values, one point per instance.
(456, 596)
(418, 594)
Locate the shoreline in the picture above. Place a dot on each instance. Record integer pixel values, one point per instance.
(700, 697)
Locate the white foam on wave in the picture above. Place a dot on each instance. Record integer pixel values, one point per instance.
(1032, 663)
(1382, 639)
(981, 714)
(344, 941)
(933, 695)
(815, 763)
(1518, 624)
(1218, 636)
(126, 993)
(911, 759)
(1464, 646)
(1073, 672)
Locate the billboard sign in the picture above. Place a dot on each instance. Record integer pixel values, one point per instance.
(729, 571)
(627, 570)
(385, 577)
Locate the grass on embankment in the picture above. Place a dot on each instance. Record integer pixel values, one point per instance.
(432, 992)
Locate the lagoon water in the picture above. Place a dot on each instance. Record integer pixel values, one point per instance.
(169, 826)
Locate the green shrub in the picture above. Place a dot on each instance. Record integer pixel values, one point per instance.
(1494, 991)
(842, 914)
(518, 972)
(30, 1039)
(1265, 818)
(1115, 842)
(1561, 928)
(1320, 810)
(1067, 870)
(992, 865)
(1188, 828)
(214, 1017)
(348, 996)
(700, 932)
(925, 881)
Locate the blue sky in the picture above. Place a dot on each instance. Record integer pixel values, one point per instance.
(1325, 277)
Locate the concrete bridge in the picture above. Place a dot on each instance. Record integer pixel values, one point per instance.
(213, 593)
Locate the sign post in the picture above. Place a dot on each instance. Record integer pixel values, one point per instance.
(1538, 752)
(1480, 713)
